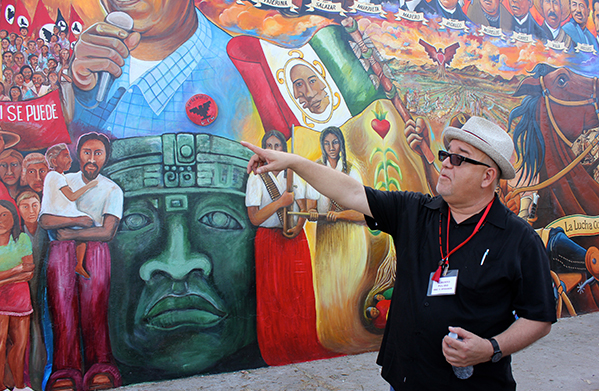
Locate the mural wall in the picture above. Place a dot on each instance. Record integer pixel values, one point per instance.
(135, 247)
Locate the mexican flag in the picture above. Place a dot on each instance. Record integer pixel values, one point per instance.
(320, 84)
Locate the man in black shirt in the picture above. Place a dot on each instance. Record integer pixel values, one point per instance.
(465, 264)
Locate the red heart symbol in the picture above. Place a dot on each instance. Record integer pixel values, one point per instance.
(441, 58)
(381, 127)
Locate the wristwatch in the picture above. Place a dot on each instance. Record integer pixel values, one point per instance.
(497, 354)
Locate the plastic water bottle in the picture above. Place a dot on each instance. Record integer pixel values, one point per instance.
(461, 372)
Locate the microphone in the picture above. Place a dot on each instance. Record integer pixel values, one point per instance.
(121, 20)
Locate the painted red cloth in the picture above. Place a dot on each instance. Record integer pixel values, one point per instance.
(381, 321)
(15, 299)
(286, 313)
(78, 306)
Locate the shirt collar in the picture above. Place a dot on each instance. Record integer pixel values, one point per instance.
(554, 32)
(447, 9)
(159, 84)
(410, 4)
(496, 215)
(523, 20)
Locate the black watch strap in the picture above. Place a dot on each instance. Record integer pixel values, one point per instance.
(497, 354)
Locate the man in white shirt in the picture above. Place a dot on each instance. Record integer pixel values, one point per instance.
(79, 306)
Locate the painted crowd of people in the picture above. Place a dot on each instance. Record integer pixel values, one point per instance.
(32, 67)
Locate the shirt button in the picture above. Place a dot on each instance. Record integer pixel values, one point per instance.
(426, 303)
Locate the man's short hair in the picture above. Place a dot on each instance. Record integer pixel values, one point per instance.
(25, 67)
(53, 152)
(32, 158)
(27, 194)
(94, 136)
(11, 153)
(585, 1)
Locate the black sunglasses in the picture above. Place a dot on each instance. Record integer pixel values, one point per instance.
(457, 160)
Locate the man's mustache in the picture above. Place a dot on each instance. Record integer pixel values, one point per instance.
(552, 15)
(94, 165)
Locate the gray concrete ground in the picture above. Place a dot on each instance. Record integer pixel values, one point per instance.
(567, 359)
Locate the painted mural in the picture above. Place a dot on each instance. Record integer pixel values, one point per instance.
(135, 247)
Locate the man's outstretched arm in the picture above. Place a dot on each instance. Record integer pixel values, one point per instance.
(332, 183)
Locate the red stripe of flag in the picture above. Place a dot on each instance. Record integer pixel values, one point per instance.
(247, 55)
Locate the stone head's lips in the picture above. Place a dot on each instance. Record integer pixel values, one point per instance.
(189, 310)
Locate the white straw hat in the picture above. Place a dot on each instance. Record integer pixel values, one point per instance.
(489, 138)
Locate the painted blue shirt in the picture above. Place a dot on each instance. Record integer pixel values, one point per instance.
(579, 35)
(155, 102)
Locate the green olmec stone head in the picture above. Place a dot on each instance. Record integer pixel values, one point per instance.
(182, 298)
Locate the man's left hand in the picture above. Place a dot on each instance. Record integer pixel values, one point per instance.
(471, 350)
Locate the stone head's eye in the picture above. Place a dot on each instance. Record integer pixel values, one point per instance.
(134, 222)
(220, 220)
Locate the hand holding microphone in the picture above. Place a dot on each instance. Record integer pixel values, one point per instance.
(100, 53)
(125, 22)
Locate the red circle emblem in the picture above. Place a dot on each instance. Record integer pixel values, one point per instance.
(201, 109)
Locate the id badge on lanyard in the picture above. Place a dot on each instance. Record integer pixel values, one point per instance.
(446, 285)
(443, 282)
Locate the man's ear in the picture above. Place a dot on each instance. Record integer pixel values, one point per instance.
(490, 176)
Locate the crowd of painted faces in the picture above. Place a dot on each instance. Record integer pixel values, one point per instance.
(32, 68)
(23, 175)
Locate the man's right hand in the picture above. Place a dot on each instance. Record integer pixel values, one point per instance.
(84, 222)
(266, 160)
(416, 133)
(101, 48)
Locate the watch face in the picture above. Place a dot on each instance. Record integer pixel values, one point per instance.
(496, 357)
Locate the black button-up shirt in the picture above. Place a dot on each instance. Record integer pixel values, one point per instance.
(514, 278)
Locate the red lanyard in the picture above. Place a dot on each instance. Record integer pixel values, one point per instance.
(444, 262)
